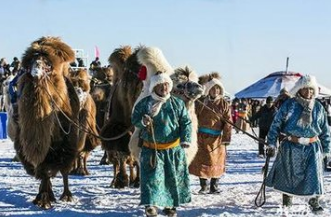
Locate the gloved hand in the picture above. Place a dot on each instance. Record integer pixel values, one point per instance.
(147, 120)
(271, 151)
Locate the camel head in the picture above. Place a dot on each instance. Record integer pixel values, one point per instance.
(186, 84)
(102, 75)
(81, 81)
(47, 56)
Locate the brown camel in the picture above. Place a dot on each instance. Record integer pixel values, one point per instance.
(101, 84)
(48, 107)
(124, 93)
(88, 132)
(187, 88)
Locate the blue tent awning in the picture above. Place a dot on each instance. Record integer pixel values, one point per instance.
(272, 84)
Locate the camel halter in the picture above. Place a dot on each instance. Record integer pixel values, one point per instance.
(79, 126)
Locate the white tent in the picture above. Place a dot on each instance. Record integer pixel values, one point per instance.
(273, 83)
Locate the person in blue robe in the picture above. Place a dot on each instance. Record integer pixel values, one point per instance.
(165, 130)
(298, 169)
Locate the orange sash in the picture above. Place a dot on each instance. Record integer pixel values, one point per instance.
(161, 146)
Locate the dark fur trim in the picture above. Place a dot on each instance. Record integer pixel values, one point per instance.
(205, 78)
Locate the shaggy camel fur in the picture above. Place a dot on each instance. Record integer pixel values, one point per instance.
(101, 84)
(88, 132)
(187, 88)
(46, 138)
(124, 93)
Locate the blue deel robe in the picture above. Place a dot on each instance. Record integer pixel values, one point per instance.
(166, 185)
(298, 169)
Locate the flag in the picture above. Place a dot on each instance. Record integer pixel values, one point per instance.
(96, 52)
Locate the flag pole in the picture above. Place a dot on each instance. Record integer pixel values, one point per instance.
(287, 60)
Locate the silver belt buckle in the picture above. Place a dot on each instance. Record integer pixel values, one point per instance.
(304, 141)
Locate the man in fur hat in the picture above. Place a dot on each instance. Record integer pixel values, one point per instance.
(298, 170)
(165, 130)
(214, 134)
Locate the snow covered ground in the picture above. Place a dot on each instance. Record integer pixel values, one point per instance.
(94, 197)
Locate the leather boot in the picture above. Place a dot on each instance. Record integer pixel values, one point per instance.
(315, 205)
(287, 200)
(214, 186)
(170, 211)
(150, 211)
(203, 184)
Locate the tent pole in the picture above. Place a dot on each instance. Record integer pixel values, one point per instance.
(287, 60)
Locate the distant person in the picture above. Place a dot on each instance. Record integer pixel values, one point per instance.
(95, 63)
(234, 110)
(81, 62)
(265, 116)
(282, 97)
(4, 68)
(243, 114)
(16, 64)
(256, 106)
(298, 167)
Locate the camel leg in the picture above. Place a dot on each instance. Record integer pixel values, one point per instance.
(75, 166)
(86, 172)
(79, 168)
(122, 179)
(116, 168)
(132, 172)
(44, 197)
(104, 160)
(136, 183)
(66, 195)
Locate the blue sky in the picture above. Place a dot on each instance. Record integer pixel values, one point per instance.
(244, 40)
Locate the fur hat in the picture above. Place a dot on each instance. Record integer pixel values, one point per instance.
(159, 79)
(304, 82)
(209, 81)
(154, 61)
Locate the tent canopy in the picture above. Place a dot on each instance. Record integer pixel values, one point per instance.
(273, 83)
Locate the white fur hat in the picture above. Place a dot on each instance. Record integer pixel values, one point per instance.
(211, 84)
(305, 81)
(159, 79)
(154, 60)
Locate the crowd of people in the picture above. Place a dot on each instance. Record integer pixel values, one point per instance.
(295, 125)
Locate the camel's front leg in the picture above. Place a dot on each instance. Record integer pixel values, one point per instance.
(66, 195)
(45, 195)
(122, 178)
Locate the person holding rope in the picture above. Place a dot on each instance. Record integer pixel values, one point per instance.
(265, 115)
(214, 134)
(165, 130)
(298, 168)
